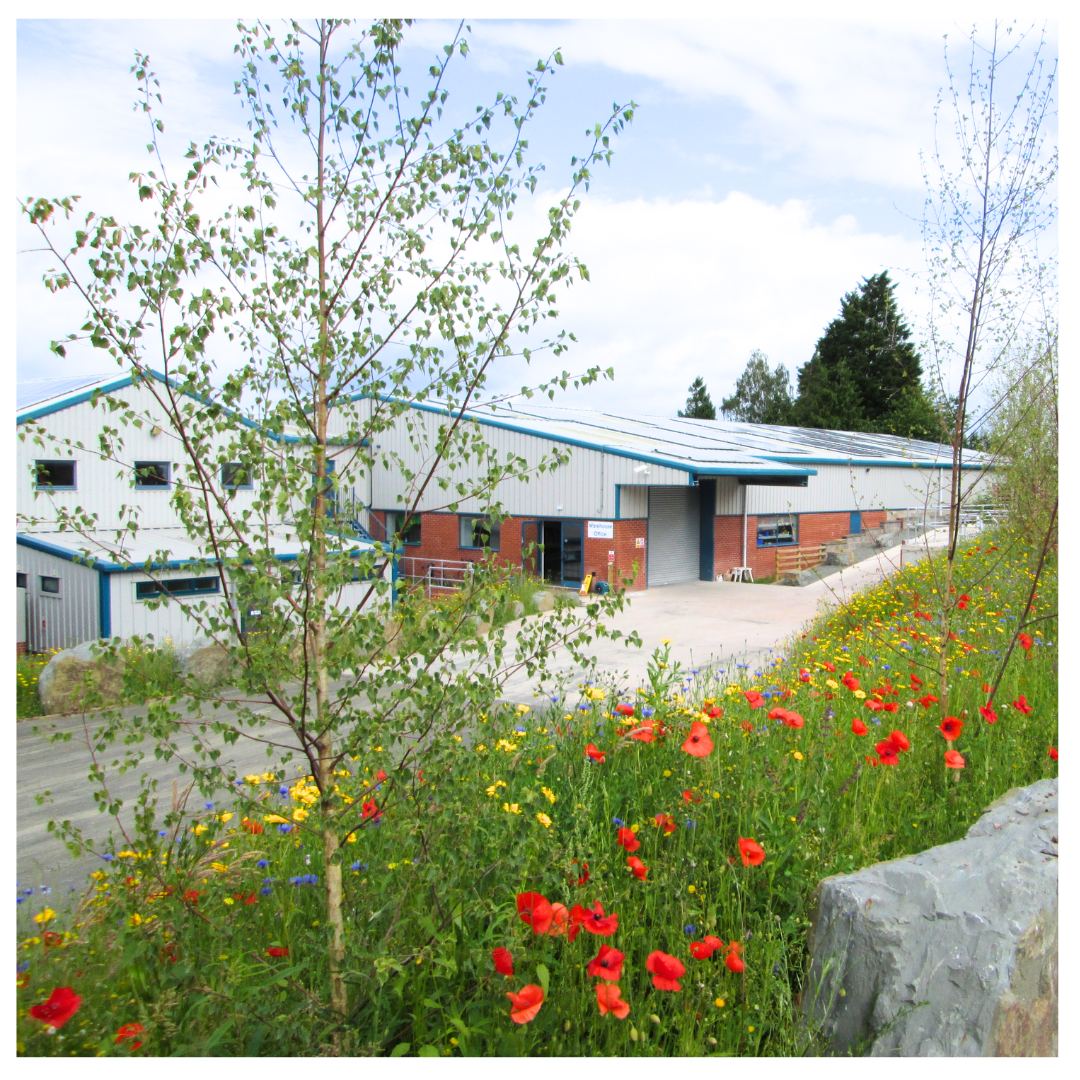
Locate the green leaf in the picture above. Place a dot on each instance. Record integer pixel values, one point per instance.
(427, 1051)
(543, 975)
(400, 1050)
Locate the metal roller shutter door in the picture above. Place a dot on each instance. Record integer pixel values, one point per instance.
(674, 535)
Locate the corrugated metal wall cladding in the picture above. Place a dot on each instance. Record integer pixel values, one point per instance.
(64, 620)
(585, 487)
(104, 486)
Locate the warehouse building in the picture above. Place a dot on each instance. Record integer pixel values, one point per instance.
(104, 581)
(655, 499)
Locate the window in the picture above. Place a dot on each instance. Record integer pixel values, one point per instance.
(179, 587)
(20, 581)
(777, 529)
(151, 474)
(394, 522)
(236, 475)
(478, 532)
(59, 475)
(50, 585)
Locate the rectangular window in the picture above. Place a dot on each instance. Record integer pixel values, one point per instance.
(236, 475)
(394, 522)
(50, 585)
(20, 581)
(58, 475)
(777, 530)
(478, 532)
(151, 474)
(178, 587)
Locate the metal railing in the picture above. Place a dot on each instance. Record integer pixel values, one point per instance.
(440, 574)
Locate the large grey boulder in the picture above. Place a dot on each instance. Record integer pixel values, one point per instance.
(952, 952)
(79, 678)
(204, 661)
(543, 601)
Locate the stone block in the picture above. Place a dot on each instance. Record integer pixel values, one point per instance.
(543, 600)
(518, 609)
(79, 678)
(948, 953)
(205, 662)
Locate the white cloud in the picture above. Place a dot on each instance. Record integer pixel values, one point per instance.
(681, 289)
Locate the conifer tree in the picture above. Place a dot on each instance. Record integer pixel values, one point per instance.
(761, 396)
(699, 405)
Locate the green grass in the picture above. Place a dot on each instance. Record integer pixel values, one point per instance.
(430, 890)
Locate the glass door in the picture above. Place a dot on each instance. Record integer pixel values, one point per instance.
(572, 553)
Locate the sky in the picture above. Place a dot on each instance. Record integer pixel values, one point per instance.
(771, 165)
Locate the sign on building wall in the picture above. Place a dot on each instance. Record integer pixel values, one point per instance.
(601, 530)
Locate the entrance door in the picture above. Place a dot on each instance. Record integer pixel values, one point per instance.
(856, 523)
(674, 535)
(572, 553)
(551, 556)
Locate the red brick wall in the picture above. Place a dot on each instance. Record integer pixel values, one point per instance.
(439, 540)
(813, 529)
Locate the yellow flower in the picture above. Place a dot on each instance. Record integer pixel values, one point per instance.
(269, 777)
(691, 889)
(251, 779)
(229, 900)
(136, 919)
(860, 694)
(299, 815)
(832, 684)
(549, 794)
(523, 709)
(198, 830)
(481, 748)
(227, 816)
(595, 694)
(44, 916)
(220, 867)
(275, 819)
(720, 1003)
(544, 820)
(667, 773)
(796, 755)
(512, 808)
(351, 838)
(666, 640)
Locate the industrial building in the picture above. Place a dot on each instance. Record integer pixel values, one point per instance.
(655, 499)
(103, 581)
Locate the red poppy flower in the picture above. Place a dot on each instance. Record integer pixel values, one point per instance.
(637, 867)
(887, 751)
(858, 727)
(849, 680)
(963, 602)
(987, 713)
(559, 918)
(594, 920)
(1053, 753)
(369, 809)
(899, 740)
(954, 760)
(62, 1005)
(594, 754)
(22, 980)
(753, 854)
(534, 910)
(951, 727)
(747, 726)
(777, 713)
(665, 822)
(1021, 703)
(628, 839)
(872, 705)
(804, 675)
(606, 965)
(254, 827)
(915, 682)
(50, 937)
(504, 962)
(792, 719)
(249, 899)
(754, 699)
(702, 950)
(168, 953)
(130, 1031)
(642, 734)
(666, 970)
(927, 700)
(689, 797)
(624, 709)
(891, 706)
(827, 666)
(698, 743)
(714, 712)
(872, 761)
(734, 963)
(1025, 642)
(277, 951)
(192, 896)
(986, 688)
(584, 873)
(526, 1004)
(609, 998)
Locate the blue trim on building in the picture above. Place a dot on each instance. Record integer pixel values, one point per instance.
(882, 462)
(618, 500)
(104, 605)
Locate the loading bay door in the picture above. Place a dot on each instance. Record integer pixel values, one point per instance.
(674, 535)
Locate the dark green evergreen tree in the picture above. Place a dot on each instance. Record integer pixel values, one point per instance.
(865, 374)
(761, 396)
(699, 405)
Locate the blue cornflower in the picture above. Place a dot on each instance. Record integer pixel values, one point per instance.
(520, 729)
(28, 892)
(766, 693)
(283, 790)
(208, 805)
(647, 711)
(358, 866)
(618, 821)
(46, 889)
(264, 891)
(583, 708)
(262, 864)
(107, 858)
(162, 832)
(874, 720)
(689, 928)
(284, 828)
(763, 731)
(270, 880)
(23, 966)
(844, 648)
(691, 824)
(742, 665)
(20, 899)
(887, 667)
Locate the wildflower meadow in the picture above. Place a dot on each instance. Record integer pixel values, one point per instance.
(620, 871)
